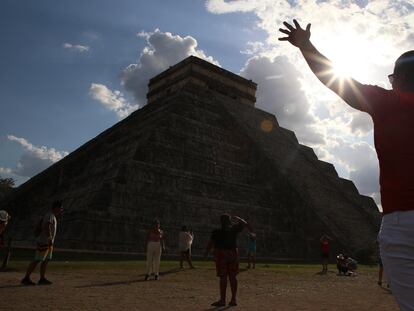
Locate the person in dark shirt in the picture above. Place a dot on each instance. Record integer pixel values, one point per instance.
(226, 257)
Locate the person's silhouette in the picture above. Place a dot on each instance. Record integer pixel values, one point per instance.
(392, 112)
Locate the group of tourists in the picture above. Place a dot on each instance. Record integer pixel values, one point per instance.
(223, 240)
(345, 264)
(226, 255)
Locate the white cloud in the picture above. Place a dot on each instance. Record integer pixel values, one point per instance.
(5, 170)
(254, 48)
(76, 47)
(279, 92)
(112, 100)
(36, 158)
(163, 50)
(221, 6)
(361, 123)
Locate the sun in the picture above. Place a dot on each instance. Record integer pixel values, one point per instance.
(346, 65)
(349, 60)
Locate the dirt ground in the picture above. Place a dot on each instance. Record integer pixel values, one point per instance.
(120, 286)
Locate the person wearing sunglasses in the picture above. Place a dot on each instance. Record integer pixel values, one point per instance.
(392, 112)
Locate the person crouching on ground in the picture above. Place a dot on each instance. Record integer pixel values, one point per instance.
(351, 265)
(155, 244)
(45, 240)
(341, 264)
(224, 241)
(185, 240)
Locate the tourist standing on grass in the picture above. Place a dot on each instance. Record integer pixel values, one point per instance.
(226, 256)
(392, 112)
(46, 233)
(155, 244)
(251, 250)
(185, 240)
(4, 220)
(325, 249)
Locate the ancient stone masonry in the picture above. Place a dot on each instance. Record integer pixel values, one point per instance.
(198, 149)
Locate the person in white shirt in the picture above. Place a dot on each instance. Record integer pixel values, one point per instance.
(45, 238)
(185, 240)
(4, 219)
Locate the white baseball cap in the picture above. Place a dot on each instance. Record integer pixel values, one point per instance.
(4, 216)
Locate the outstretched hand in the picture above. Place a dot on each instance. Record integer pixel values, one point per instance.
(296, 36)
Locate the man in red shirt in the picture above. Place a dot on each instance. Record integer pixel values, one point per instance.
(392, 112)
(325, 252)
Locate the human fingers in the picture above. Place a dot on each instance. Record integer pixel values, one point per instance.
(288, 26)
(308, 27)
(284, 39)
(285, 31)
(297, 24)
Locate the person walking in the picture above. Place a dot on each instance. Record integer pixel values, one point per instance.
(46, 233)
(185, 240)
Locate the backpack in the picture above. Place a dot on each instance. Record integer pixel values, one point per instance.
(38, 229)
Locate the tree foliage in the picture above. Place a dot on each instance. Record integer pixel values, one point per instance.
(6, 186)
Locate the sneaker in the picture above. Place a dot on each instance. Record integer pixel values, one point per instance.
(44, 281)
(146, 277)
(232, 303)
(27, 281)
(157, 277)
(218, 304)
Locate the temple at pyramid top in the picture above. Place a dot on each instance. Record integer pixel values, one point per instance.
(205, 74)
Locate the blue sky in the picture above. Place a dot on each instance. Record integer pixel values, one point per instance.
(45, 88)
(71, 69)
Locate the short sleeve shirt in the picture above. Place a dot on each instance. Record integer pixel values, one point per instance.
(325, 246)
(226, 239)
(393, 116)
(43, 238)
(185, 240)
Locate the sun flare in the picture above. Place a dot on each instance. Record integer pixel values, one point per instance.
(349, 61)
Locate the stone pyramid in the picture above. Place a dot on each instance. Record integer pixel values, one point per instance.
(199, 148)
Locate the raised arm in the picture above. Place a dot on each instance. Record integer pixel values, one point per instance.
(242, 222)
(347, 88)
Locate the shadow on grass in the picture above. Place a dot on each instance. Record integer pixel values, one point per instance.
(162, 273)
(218, 308)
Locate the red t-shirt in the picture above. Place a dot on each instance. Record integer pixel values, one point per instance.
(393, 116)
(325, 246)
